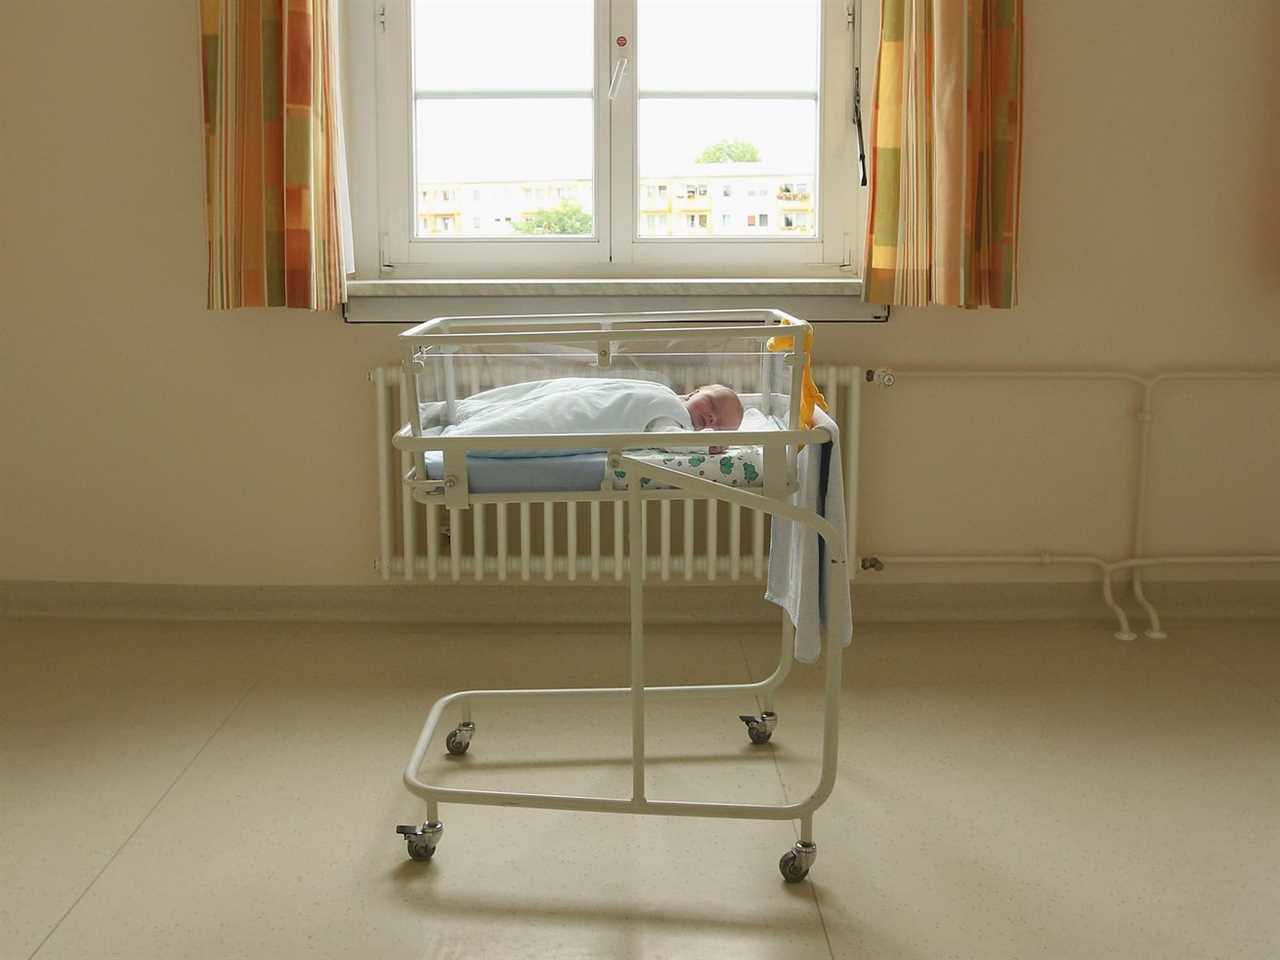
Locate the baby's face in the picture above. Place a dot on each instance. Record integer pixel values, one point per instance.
(714, 407)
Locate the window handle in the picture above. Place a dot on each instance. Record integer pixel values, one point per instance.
(857, 123)
(619, 71)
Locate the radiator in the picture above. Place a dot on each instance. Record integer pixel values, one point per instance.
(576, 536)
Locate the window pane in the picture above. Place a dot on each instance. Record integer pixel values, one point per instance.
(503, 44)
(727, 168)
(503, 168)
(696, 45)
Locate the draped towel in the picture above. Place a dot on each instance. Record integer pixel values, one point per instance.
(815, 595)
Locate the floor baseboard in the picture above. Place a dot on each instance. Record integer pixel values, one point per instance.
(607, 603)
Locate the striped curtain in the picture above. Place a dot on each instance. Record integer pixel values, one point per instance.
(946, 154)
(278, 225)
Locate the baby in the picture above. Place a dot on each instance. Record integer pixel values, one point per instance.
(595, 405)
(713, 407)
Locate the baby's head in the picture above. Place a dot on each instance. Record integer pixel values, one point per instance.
(714, 407)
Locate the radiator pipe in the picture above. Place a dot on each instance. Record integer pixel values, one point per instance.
(1148, 384)
(384, 471)
(408, 528)
(1145, 416)
(1041, 559)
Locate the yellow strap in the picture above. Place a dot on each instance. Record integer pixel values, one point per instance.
(810, 395)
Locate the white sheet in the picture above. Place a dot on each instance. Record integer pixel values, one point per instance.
(802, 581)
(567, 405)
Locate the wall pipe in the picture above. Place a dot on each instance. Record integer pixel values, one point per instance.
(1145, 416)
(886, 378)
(1041, 559)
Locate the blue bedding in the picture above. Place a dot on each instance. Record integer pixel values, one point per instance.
(580, 471)
(736, 467)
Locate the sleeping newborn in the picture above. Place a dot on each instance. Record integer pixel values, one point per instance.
(594, 405)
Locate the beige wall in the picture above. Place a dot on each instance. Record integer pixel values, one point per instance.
(147, 440)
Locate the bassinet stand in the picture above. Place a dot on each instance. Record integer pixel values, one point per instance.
(795, 863)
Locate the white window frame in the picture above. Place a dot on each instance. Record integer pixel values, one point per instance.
(401, 253)
(379, 75)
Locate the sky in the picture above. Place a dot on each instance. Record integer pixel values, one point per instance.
(690, 45)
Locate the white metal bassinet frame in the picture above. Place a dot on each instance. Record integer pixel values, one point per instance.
(780, 450)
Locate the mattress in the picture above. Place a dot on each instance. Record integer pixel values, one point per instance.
(736, 467)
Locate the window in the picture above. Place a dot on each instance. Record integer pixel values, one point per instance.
(499, 116)
(656, 223)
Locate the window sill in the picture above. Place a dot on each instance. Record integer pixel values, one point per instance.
(623, 287)
(397, 301)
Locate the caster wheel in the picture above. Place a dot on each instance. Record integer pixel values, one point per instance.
(455, 744)
(422, 841)
(760, 728)
(793, 870)
(419, 849)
